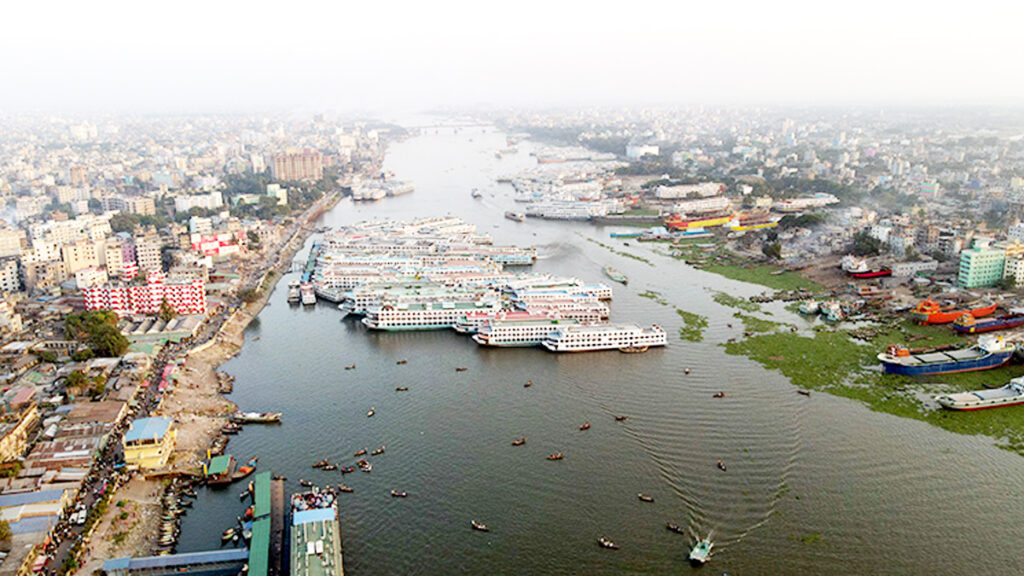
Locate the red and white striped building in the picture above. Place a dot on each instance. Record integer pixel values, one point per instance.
(186, 297)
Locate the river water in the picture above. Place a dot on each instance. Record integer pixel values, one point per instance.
(817, 485)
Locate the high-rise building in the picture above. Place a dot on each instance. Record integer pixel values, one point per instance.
(10, 279)
(10, 242)
(147, 253)
(981, 265)
(81, 254)
(297, 165)
(140, 205)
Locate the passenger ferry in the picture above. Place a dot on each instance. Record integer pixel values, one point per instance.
(308, 296)
(600, 291)
(624, 337)
(510, 333)
(315, 534)
(293, 292)
(587, 310)
(423, 315)
(472, 321)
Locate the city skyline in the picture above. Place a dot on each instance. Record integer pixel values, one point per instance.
(122, 57)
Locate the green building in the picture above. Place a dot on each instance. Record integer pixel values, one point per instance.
(981, 265)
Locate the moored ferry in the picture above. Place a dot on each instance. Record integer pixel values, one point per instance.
(929, 311)
(600, 291)
(1010, 395)
(990, 352)
(308, 296)
(968, 324)
(293, 291)
(474, 320)
(315, 534)
(624, 337)
(423, 315)
(505, 333)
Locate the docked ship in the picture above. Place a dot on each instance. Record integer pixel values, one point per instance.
(511, 333)
(679, 222)
(315, 534)
(929, 311)
(588, 310)
(968, 324)
(422, 315)
(366, 193)
(515, 216)
(472, 321)
(615, 275)
(598, 291)
(399, 188)
(293, 292)
(990, 352)
(858, 268)
(1010, 395)
(624, 337)
(308, 296)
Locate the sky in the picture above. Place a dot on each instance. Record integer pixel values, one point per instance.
(376, 55)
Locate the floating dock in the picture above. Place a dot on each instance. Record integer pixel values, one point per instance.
(316, 536)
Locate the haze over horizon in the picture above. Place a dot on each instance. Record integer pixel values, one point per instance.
(218, 57)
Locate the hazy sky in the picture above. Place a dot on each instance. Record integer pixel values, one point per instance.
(216, 55)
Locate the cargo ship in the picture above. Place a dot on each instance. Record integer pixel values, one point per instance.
(615, 275)
(877, 273)
(679, 222)
(929, 311)
(315, 534)
(968, 324)
(623, 337)
(1010, 395)
(990, 352)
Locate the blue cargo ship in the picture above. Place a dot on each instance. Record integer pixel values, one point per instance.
(989, 352)
(968, 324)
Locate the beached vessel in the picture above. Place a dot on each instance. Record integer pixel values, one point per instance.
(990, 352)
(1010, 395)
(968, 324)
(929, 311)
(256, 417)
(623, 337)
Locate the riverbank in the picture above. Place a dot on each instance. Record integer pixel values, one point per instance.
(197, 408)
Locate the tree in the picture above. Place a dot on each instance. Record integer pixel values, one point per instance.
(167, 312)
(772, 250)
(1007, 283)
(254, 239)
(5, 531)
(248, 295)
(98, 330)
(864, 244)
(47, 356)
(75, 382)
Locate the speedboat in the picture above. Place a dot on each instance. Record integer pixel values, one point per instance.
(645, 497)
(606, 543)
(519, 441)
(556, 456)
(718, 395)
(585, 426)
(371, 412)
(480, 526)
(398, 494)
(701, 551)
(344, 488)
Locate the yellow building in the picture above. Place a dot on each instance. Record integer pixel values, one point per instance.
(148, 443)
(14, 435)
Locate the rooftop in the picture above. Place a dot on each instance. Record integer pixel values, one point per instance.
(146, 428)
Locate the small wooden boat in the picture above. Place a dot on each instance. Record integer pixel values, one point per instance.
(347, 469)
(401, 388)
(350, 367)
(645, 497)
(718, 395)
(621, 418)
(480, 526)
(585, 426)
(360, 453)
(519, 441)
(461, 369)
(402, 361)
(377, 452)
(804, 392)
(371, 412)
(556, 456)
(399, 494)
(329, 467)
(364, 465)
(675, 528)
(528, 384)
(721, 466)
(344, 488)
(606, 543)
(320, 464)
(305, 483)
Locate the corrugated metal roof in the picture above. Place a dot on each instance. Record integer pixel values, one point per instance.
(259, 547)
(261, 495)
(218, 464)
(190, 558)
(146, 428)
(314, 515)
(8, 500)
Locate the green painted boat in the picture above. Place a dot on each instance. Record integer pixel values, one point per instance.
(615, 275)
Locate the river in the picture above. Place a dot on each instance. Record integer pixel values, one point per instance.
(816, 485)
